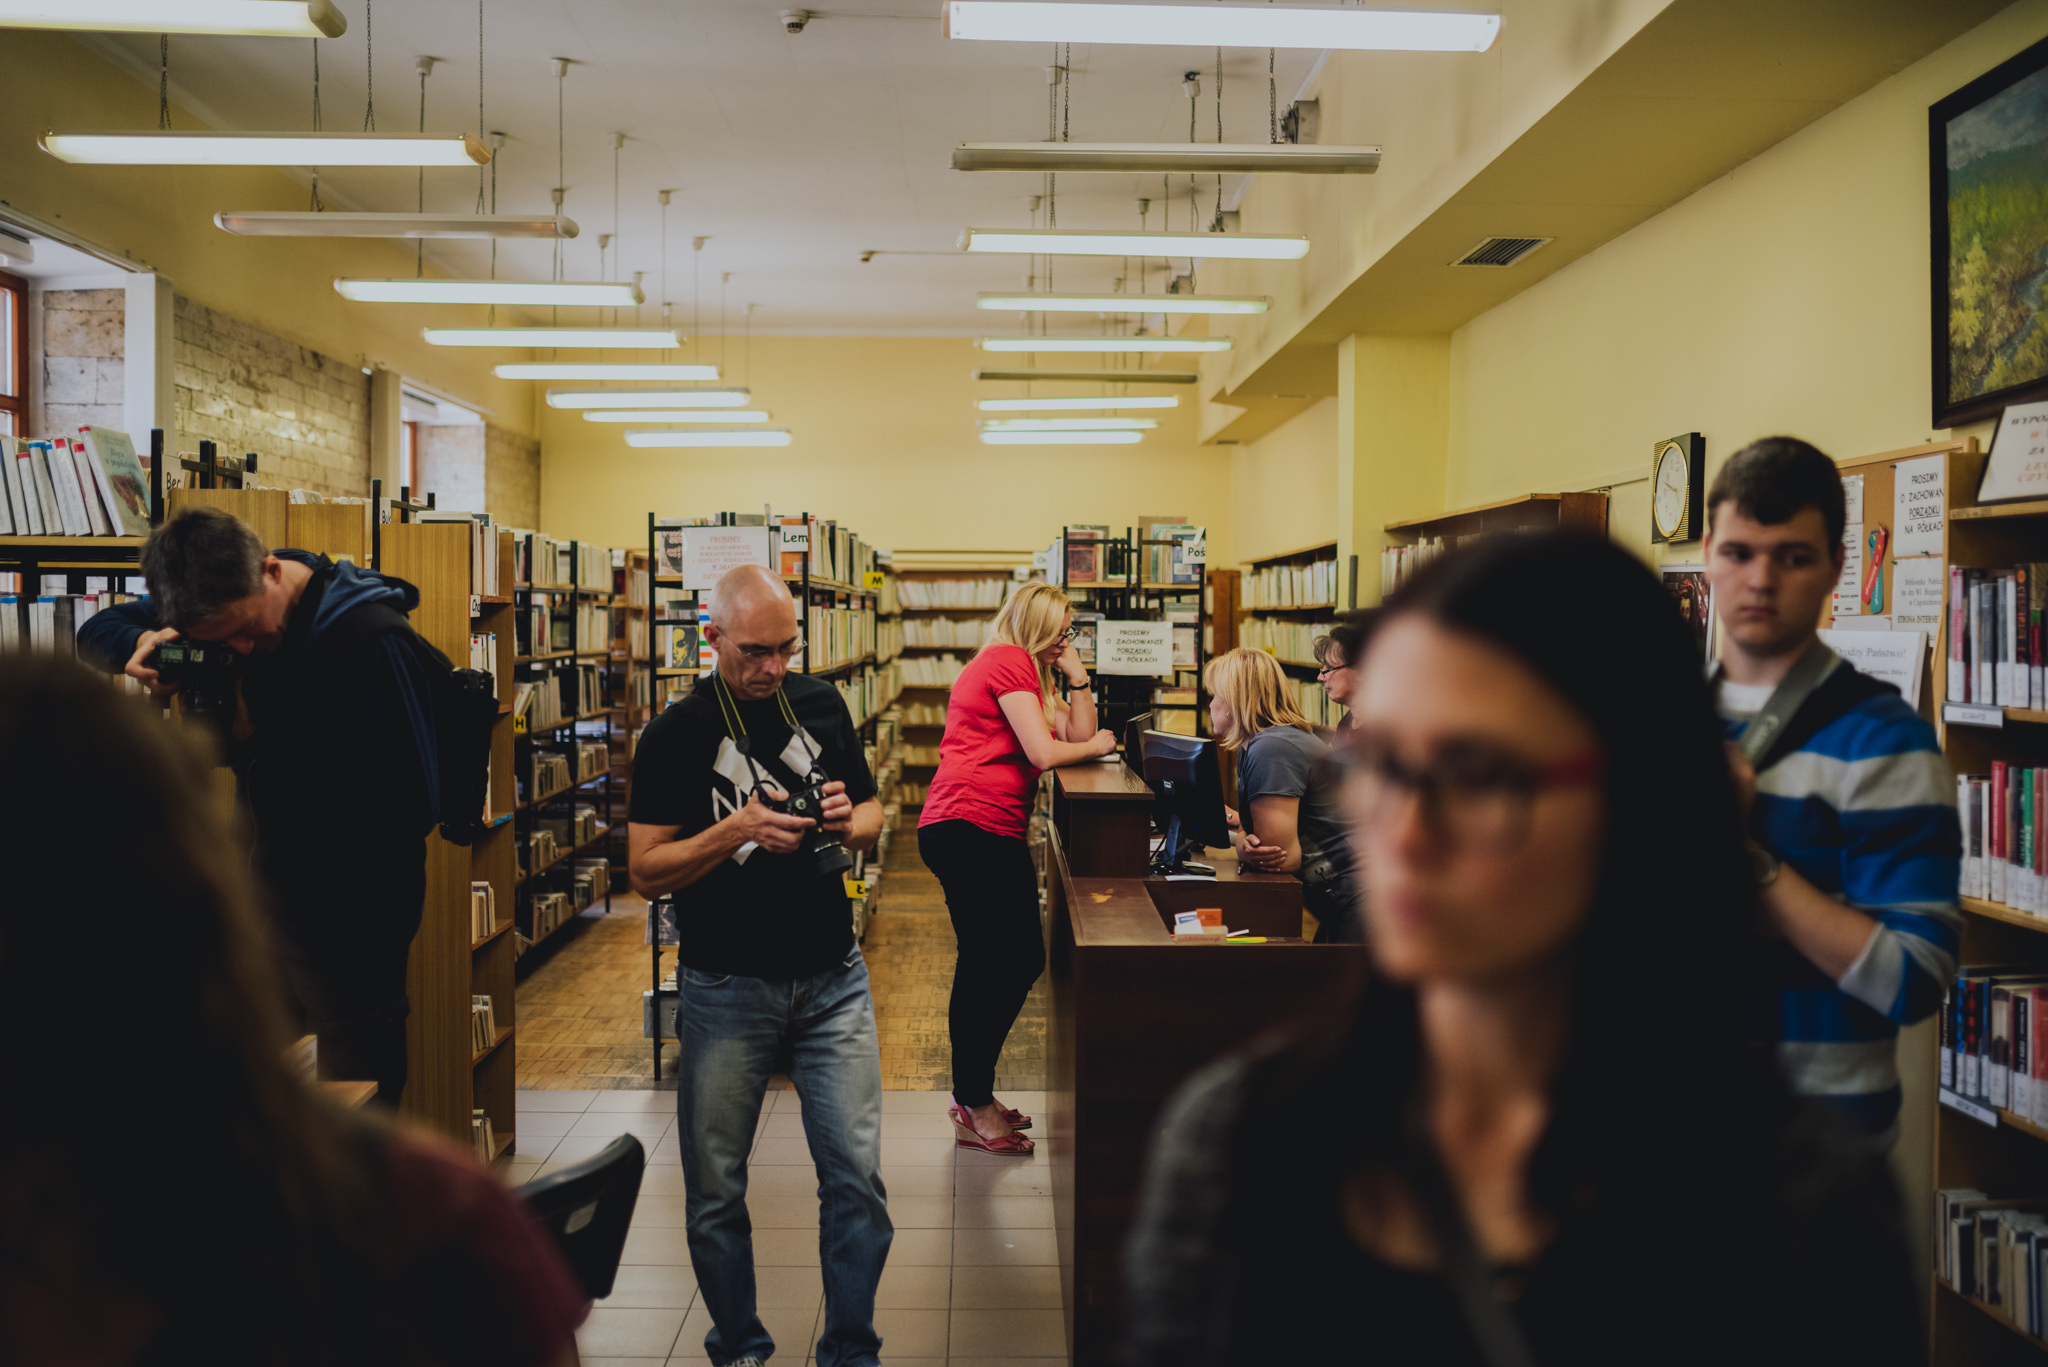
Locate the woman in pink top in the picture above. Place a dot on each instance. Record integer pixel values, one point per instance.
(1004, 725)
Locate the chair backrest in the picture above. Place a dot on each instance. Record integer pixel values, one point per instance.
(588, 1207)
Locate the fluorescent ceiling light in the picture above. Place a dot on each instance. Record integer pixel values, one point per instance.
(1095, 376)
(298, 224)
(1089, 242)
(1257, 158)
(544, 337)
(675, 415)
(252, 18)
(1331, 26)
(1069, 405)
(734, 397)
(1061, 438)
(1120, 344)
(1071, 425)
(1120, 303)
(773, 436)
(158, 148)
(569, 293)
(601, 370)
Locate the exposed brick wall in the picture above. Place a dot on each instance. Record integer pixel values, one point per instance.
(512, 477)
(306, 414)
(448, 462)
(83, 346)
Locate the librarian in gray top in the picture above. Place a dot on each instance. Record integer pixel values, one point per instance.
(1287, 801)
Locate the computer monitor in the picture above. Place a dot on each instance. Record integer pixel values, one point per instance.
(1134, 742)
(1188, 788)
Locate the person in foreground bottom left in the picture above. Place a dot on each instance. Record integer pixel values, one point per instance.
(169, 1192)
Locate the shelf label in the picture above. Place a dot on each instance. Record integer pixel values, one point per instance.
(796, 536)
(1195, 552)
(857, 889)
(1978, 1112)
(519, 724)
(872, 579)
(1972, 714)
(475, 607)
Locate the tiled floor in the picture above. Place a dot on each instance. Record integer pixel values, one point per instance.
(972, 1278)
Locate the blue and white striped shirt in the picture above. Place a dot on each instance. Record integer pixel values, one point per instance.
(1865, 810)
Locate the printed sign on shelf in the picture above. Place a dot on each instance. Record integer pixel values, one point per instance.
(1917, 498)
(708, 552)
(1849, 588)
(1140, 648)
(1896, 657)
(2018, 467)
(1919, 595)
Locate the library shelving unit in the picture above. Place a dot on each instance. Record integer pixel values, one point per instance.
(554, 607)
(1285, 601)
(938, 587)
(1132, 583)
(1585, 511)
(629, 686)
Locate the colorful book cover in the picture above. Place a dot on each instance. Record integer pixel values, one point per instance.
(122, 481)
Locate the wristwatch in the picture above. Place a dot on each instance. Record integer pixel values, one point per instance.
(1765, 864)
(1087, 684)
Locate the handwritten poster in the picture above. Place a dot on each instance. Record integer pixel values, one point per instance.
(1142, 648)
(1897, 657)
(2018, 467)
(708, 552)
(1919, 595)
(1917, 506)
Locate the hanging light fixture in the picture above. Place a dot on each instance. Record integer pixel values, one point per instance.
(1070, 405)
(1061, 438)
(1091, 242)
(1071, 425)
(249, 18)
(1095, 376)
(675, 415)
(296, 224)
(756, 436)
(1103, 344)
(1342, 27)
(724, 397)
(567, 293)
(1119, 303)
(157, 147)
(593, 371)
(1254, 158)
(658, 338)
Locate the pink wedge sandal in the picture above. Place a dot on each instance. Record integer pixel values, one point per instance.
(965, 1136)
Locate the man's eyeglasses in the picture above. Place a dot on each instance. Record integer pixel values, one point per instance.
(788, 650)
(1473, 797)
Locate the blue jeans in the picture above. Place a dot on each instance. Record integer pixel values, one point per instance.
(731, 1030)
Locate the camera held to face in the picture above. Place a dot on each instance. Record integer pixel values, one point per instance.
(828, 856)
(203, 673)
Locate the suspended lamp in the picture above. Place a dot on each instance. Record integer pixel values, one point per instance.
(731, 397)
(1118, 344)
(1120, 303)
(250, 18)
(1061, 438)
(1071, 425)
(1088, 242)
(773, 436)
(569, 293)
(1095, 376)
(601, 370)
(297, 224)
(675, 415)
(1342, 27)
(157, 147)
(1069, 405)
(662, 338)
(1256, 158)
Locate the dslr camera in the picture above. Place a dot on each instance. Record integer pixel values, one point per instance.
(203, 673)
(820, 846)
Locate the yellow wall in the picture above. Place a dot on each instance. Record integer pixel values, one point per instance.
(885, 442)
(162, 219)
(1283, 487)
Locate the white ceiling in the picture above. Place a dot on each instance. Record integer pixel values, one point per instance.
(793, 154)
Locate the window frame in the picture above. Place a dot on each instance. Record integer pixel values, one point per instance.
(16, 403)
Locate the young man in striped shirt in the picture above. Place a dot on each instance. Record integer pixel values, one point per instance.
(1853, 820)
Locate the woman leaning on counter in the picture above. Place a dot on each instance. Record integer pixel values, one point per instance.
(1005, 724)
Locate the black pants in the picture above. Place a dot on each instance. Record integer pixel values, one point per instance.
(992, 895)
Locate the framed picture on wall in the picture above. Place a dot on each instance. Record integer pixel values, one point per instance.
(1688, 587)
(1987, 156)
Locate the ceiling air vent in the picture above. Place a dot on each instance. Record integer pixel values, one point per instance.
(1500, 251)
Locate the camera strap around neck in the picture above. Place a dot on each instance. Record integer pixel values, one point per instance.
(1806, 675)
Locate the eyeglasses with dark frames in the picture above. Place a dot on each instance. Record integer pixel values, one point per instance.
(1473, 796)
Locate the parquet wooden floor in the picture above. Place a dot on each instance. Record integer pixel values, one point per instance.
(579, 1006)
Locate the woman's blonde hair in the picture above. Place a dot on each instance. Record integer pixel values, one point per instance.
(1033, 619)
(1254, 688)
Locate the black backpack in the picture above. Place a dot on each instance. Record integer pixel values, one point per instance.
(465, 708)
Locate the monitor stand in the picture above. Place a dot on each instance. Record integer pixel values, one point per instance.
(1171, 860)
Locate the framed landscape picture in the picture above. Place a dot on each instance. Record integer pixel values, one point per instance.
(1988, 192)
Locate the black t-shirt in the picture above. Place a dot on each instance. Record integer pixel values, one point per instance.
(759, 915)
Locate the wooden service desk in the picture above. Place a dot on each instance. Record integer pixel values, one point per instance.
(1103, 812)
(1133, 1013)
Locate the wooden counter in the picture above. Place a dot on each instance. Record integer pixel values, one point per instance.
(1133, 1013)
(1103, 812)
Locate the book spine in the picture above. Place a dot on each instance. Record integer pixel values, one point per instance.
(2025, 842)
(1997, 1055)
(2037, 1052)
(1947, 1031)
(1958, 677)
(46, 489)
(2022, 666)
(1997, 892)
(2037, 641)
(2022, 1086)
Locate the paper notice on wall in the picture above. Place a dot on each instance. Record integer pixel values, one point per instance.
(1919, 594)
(1849, 588)
(1141, 648)
(1917, 498)
(1897, 657)
(1852, 497)
(708, 552)
(2018, 467)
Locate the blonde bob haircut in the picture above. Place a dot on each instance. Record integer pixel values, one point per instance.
(1034, 619)
(1253, 687)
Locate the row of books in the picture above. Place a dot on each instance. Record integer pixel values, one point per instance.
(554, 562)
(1397, 563)
(547, 910)
(835, 551)
(1994, 1039)
(483, 654)
(1291, 586)
(547, 771)
(888, 600)
(484, 538)
(557, 693)
(1091, 555)
(835, 635)
(632, 637)
(1996, 1250)
(965, 632)
(888, 637)
(483, 1138)
(931, 671)
(1283, 637)
(48, 623)
(910, 793)
(90, 485)
(483, 910)
(1168, 564)
(1995, 646)
(920, 595)
(1314, 703)
(868, 691)
(2004, 816)
(923, 713)
(582, 760)
(578, 827)
(483, 1023)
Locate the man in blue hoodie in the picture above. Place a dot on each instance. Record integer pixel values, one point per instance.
(336, 760)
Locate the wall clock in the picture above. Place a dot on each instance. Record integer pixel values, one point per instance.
(1677, 488)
